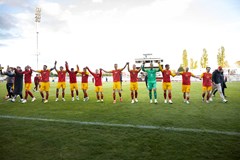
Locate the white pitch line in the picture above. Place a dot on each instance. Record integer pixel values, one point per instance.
(173, 129)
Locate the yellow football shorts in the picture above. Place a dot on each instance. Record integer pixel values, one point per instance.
(73, 86)
(44, 86)
(186, 88)
(98, 89)
(133, 86)
(28, 86)
(84, 86)
(206, 88)
(167, 86)
(61, 85)
(116, 85)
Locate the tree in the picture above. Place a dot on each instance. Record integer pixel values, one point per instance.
(185, 59)
(221, 58)
(204, 59)
(180, 69)
(238, 63)
(193, 64)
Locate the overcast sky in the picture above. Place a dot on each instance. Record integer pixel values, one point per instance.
(99, 33)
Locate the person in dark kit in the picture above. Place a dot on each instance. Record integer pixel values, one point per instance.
(223, 85)
(146, 80)
(216, 79)
(18, 84)
(10, 80)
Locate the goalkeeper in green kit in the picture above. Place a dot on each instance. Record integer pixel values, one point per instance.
(151, 80)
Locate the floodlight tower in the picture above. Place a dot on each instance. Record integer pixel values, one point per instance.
(37, 20)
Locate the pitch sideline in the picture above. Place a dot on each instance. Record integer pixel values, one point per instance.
(173, 129)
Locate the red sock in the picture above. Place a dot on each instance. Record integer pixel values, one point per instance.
(30, 93)
(184, 95)
(114, 96)
(170, 95)
(63, 94)
(77, 92)
(132, 95)
(57, 92)
(136, 94)
(101, 95)
(47, 94)
(42, 94)
(165, 95)
(72, 94)
(97, 96)
(203, 95)
(26, 94)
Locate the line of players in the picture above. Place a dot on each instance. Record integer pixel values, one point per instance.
(210, 83)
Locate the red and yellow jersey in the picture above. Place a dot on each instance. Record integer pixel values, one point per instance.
(186, 76)
(84, 77)
(134, 75)
(45, 74)
(98, 78)
(61, 76)
(166, 75)
(207, 79)
(73, 76)
(27, 76)
(116, 75)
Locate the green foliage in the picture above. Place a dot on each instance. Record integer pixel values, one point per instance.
(193, 64)
(204, 59)
(185, 58)
(180, 69)
(221, 58)
(238, 64)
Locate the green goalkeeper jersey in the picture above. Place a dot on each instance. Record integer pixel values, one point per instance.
(151, 74)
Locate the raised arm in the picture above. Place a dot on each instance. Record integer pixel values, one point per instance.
(55, 64)
(143, 68)
(124, 66)
(160, 67)
(128, 68)
(66, 65)
(89, 70)
(106, 71)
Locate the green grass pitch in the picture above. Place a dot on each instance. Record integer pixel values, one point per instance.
(48, 140)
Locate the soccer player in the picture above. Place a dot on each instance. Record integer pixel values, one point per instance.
(206, 84)
(186, 84)
(223, 85)
(28, 83)
(10, 81)
(216, 79)
(98, 83)
(85, 75)
(18, 84)
(134, 82)
(151, 80)
(37, 79)
(45, 84)
(116, 73)
(73, 81)
(61, 81)
(167, 85)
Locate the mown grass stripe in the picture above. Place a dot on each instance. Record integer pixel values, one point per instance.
(173, 129)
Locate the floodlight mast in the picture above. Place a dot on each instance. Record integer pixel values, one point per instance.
(37, 20)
